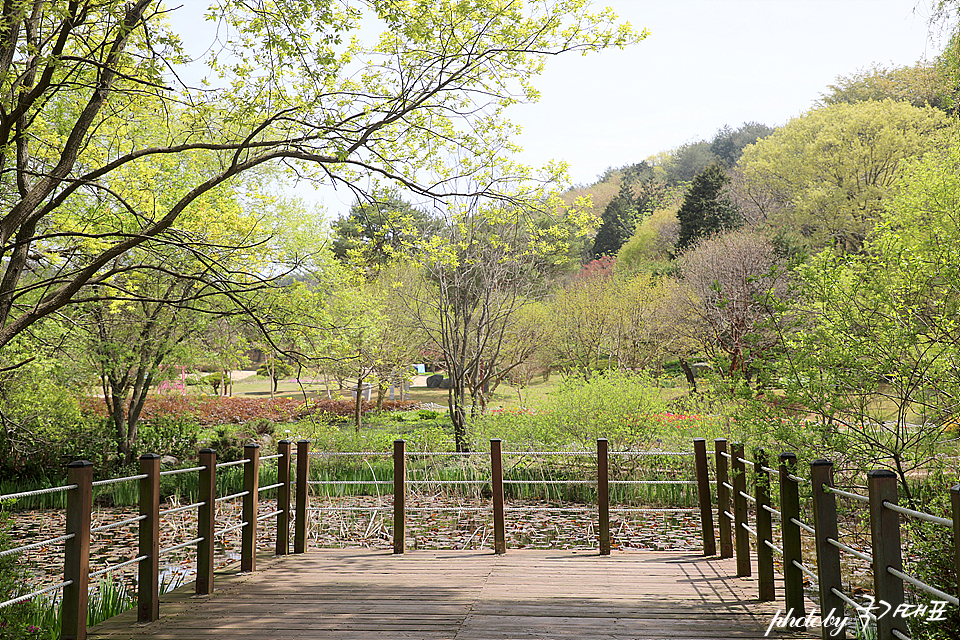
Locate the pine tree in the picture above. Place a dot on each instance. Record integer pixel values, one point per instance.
(617, 223)
(706, 208)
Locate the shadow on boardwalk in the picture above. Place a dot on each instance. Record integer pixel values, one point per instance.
(361, 594)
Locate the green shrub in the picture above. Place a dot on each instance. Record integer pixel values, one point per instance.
(227, 443)
(169, 435)
(623, 407)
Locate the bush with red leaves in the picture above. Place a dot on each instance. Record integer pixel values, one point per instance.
(215, 410)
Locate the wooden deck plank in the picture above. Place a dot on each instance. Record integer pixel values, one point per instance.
(523, 595)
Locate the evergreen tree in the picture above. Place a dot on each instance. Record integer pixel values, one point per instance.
(617, 223)
(706, 208)
(376, 231)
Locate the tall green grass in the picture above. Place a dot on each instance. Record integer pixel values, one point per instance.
(108, 598)
(537, 474)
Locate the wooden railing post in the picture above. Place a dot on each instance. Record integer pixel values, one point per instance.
(251, 501)
(955, 508)
(399, 494)
(768, 590)
(76, 552)
(148, 583)
(885, 532)
(496, 485)
(723, 498)
(283, 498)
(790, 537)
(603, 495)
(303, 496)
(206, 518)
(704, 495)
(742, 536)
(828, 556)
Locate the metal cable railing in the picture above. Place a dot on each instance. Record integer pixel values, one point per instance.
(103, 483)
(550, 453)
(850, 550)
(34, 594)
(175, 472)
(846, 494)
(224, 465)
(115, 525)
(166, 512)
(182, 545)
(803, 525)
(37, 492)
(36, 545)
(946, 522)
(923, 586)
(117, 567)
(806, 572)
(232, 496)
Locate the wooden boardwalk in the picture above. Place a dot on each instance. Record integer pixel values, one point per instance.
(357, 594)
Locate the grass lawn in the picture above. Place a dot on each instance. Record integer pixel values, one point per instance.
(506, 396)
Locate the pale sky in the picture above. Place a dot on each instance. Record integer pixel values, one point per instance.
(706, 63)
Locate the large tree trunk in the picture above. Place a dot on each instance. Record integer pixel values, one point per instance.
(358, 405)
(458, 416)
(688, 372)
(381, 394)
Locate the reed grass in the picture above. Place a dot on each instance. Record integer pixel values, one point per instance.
(538, 475)
(106, 599)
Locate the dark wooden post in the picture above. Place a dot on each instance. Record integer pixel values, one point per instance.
(704, 494)
(251, 500)
(206, 517)
(723, 498)
(76, 552)
(885, 532)
(790, 536)
(283, 498)
(496, 485)
(768, 590)
(148, 584)
(741, 535)
(603, 495)
(303, 496)
(955, 505)
(399, 494)
(828, 556)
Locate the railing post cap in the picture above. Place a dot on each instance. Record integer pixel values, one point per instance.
(496, 440)
(788, 455)
(251, 445)
(881, 473)
(150, 456)
(208, 450)
(398, 440)
(286, 442)
(303, 441)
(720, 440)
(699, 439)
(955, 488)
(821, 463)
(79, 464)
(601, 440)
